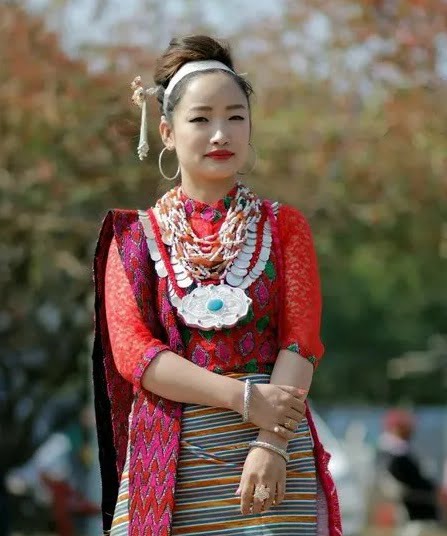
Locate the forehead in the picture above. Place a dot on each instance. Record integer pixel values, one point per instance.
(212, 89)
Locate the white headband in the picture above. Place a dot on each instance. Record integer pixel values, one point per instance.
(188, 68)
(140, 94)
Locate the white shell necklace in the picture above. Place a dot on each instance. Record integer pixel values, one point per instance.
(210, 306)
(207, 258)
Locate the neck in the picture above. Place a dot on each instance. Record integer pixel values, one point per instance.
(207, 191)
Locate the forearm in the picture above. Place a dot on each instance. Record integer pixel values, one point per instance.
(289, 369)
(292, 369)
(177, 378)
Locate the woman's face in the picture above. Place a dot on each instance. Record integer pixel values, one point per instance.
(212, 115)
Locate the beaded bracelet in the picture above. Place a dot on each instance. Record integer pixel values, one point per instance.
(268, 446)
(247, 398)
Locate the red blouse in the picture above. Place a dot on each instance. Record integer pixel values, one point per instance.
(253, 344)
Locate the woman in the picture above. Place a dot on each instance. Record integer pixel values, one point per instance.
(207, 332)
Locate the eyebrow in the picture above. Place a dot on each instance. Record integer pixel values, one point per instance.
(209, 108)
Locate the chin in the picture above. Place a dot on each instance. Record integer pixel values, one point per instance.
(219, 174)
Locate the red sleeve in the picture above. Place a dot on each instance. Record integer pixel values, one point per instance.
(301, 306)
(132, 343)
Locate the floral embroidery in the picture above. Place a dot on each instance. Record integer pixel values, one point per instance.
(200, 356)
(223, 351)
(247, 344)
(267, 351)
(208, 214)
(262, 293)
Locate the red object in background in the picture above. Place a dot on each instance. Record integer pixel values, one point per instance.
(398, 418)
(385, 515)
(66, 503)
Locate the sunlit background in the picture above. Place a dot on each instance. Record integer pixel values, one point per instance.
(350, 126)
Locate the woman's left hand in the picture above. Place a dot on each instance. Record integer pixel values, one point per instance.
(262, 467)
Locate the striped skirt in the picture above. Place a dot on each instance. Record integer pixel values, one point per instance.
(214, 446)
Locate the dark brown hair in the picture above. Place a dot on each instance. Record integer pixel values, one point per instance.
(191, 48)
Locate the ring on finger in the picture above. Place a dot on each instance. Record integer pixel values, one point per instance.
(289, 423)
(281, 430)
(261, 492)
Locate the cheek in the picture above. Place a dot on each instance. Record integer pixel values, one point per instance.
(188, 143)
(195, 135)
(244, 133)
(243, 140)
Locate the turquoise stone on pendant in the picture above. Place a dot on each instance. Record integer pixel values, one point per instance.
(214, 305)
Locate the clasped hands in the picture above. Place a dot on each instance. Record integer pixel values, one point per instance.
(277, 410)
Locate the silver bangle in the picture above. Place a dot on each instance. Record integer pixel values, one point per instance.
(271, 447)
(247, 398)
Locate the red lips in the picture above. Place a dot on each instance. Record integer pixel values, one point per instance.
(220, 155)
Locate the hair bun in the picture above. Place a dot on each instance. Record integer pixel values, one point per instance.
(190, 48)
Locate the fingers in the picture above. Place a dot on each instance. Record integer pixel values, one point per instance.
(298, 405)
(283, 432)
(295, 399)
(291, 424)
(280, 492)
(257, 505)
(251, 505)
(294, 415)
(247, 491)
(297, 392)
(268, 503)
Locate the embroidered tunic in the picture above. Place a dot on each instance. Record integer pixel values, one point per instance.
(251, 346)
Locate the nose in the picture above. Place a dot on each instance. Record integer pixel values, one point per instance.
(219, 137)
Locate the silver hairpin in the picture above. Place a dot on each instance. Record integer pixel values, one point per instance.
(139, 98)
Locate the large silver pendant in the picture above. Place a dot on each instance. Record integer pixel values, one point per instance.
(214, 307)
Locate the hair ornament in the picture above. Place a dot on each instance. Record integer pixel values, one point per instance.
(139, 98)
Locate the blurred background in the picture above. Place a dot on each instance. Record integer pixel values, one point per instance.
(350, 126)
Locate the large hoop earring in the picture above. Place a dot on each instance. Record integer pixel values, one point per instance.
(161, 168)
(254, 163)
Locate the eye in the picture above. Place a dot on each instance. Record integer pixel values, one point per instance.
(198, 120)
(237, 118)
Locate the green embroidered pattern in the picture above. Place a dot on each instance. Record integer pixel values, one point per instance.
(248, 318)
(208, 335)
(270, 270)
(254, 366)
(295, 348)
(312, 359)
(185, 334)
(217, 216)
(262, 323)
(251, 366)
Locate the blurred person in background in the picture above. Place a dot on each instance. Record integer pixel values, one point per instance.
(175, 355)
(56, 473)
(419, 495)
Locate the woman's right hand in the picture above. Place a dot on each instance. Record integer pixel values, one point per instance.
(272, 405)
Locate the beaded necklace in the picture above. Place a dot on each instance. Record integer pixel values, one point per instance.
(208, 258)
(222, 259)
